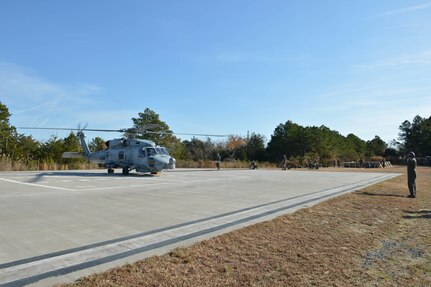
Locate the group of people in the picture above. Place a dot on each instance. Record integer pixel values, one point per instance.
(253, 164)
(411, 170)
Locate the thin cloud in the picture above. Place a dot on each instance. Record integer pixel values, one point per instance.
(406, 10)
(418, 59)
(394, 96)
(23, 86)
(395, 87)
(243, 57)
(32, 97)
(38, 102)
(372, 114)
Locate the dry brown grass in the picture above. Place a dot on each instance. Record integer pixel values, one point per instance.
(7, 164)
(373, 237)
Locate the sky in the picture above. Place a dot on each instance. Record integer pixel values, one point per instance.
(216, 67)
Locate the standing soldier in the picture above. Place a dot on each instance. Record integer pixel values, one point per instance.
(284, 163)
(218, 160)
(411, 174)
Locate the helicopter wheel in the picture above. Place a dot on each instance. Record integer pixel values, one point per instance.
(110, 170)
(126, 170)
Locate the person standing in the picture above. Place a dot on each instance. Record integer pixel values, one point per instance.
(284, 163)
(411, 174)
(218, 160)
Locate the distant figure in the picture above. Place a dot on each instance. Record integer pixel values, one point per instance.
(218, 160)
(383, 162)
(284, 163)
(411, 174)
(253, 165)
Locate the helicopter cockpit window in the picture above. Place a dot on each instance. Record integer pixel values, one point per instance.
(164, 151)
(159, 150)
(151, 151)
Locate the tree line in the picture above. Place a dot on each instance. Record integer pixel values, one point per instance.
(300, 144)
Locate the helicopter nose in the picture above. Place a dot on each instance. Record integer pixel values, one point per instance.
(172, 163)
(162, 163)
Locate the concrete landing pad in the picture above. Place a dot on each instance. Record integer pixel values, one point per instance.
(58, 226)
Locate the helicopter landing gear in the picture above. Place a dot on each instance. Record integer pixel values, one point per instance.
(126, 170)
(110, 170)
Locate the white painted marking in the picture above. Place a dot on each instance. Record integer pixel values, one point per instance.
(122, 186)
(34, 184)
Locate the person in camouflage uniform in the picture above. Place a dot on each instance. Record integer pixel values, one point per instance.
(218, 160)
(411, 174)
(284, 162)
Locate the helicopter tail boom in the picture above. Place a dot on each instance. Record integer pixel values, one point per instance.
(84, 145)
(72, 155)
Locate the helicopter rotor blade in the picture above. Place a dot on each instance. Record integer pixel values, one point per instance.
(126, 130)
(70, 129)
(187, 134)
(142, 129)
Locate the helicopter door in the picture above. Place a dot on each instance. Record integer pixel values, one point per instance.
(121, 155)
(142, 153)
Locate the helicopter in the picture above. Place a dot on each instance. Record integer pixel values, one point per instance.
(128, 153)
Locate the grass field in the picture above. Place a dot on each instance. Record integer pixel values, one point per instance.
(372, 237)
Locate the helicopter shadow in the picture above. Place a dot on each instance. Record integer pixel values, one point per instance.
(40, 176)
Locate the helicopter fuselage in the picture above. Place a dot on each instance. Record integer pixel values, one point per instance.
(131, 154)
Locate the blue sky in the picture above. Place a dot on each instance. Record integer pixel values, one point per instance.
(218, 67)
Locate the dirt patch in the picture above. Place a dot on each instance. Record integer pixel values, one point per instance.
(373, 237)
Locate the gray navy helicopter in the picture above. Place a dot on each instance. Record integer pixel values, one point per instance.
(125, 153)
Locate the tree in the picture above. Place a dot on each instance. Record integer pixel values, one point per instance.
(164, 138)
(71, 144)
(7, 132)
(236, 146)
(97, 144)
(178, 150)
(27, 148)
(353, 148)
(416, 136)
(255, 147)
(375, 147)
(287, 139)
(298, 142)
(199, 150)
(149, 117)
(52, 150)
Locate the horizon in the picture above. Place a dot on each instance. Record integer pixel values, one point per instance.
(64, 132)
